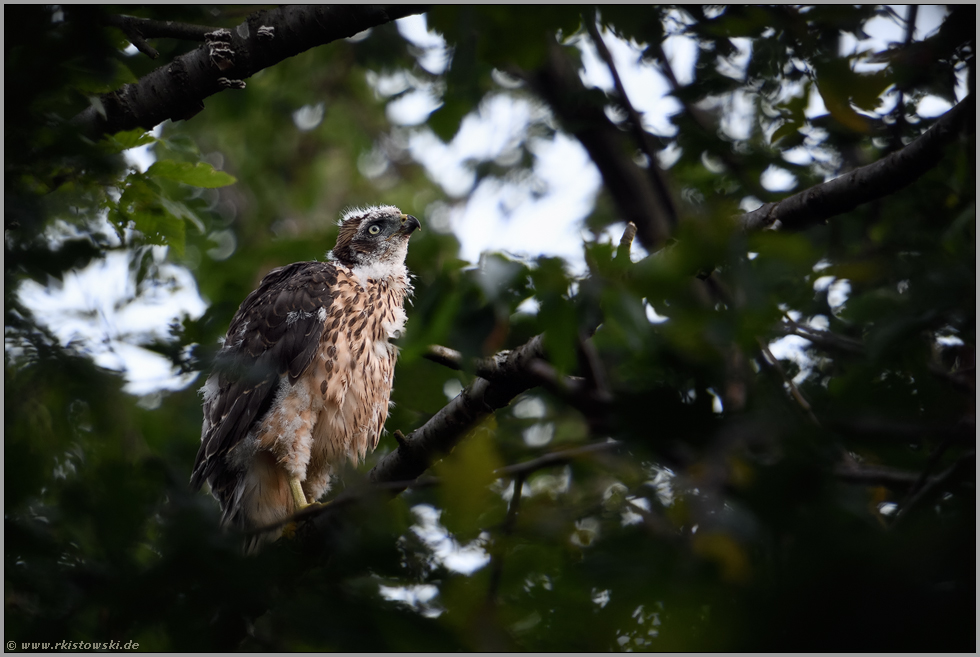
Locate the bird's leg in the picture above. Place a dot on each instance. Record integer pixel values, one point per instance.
(299, 497)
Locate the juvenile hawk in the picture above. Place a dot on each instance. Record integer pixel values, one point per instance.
(303, 380)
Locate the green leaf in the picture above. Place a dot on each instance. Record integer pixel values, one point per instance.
(201, 174)
(127, 139)
(467, 474)
(788, 128)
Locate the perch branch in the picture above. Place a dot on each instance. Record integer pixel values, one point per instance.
(354, 494)
(449, 425)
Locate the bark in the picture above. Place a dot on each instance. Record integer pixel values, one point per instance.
(437, 437)
(884, 177)
(177, 91)
(611, 150)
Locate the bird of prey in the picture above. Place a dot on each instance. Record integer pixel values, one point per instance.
(303, 379)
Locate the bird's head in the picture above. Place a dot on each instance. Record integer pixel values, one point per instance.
(375, 236)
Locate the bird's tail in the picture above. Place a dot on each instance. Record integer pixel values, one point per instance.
(260, 498)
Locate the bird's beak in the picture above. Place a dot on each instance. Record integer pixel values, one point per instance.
(409, 224)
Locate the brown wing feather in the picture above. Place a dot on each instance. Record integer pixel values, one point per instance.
(275, 332)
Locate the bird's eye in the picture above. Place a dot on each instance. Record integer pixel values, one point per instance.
(374, 229)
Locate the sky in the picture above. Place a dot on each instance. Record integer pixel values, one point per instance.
(100, 311)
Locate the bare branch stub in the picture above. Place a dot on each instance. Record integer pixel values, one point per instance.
(444, 356)
(626, 242)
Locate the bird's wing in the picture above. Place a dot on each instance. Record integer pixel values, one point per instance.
(275, 333)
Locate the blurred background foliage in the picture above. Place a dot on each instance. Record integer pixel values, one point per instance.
(724, 519)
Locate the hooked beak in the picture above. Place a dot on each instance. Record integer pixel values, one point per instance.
(409, 224)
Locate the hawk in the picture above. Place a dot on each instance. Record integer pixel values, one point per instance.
(302, 381)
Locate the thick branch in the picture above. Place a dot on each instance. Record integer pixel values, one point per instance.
(642, 137)
(177, 91)
(582, 115)
(419, 449)
(884, 177)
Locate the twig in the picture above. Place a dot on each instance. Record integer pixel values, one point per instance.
(794, 391)
(591, 366)
(444, 356)
(354, 494)
(642, 136)
(701, 119)
(556, 458)
(497, 557)
(821, 338)
(151, 29)
(876, 475)
(934, 458)
(899, 111)
(961, 465)
(454, 420)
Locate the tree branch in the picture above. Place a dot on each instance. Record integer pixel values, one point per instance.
(445, 356)
(138, 30)
(556, 458)
(583, 116)
(965, 465)
(884, 177)
(497, 553)
(446, 428)
(703, 121)
(642, 137)
(177, 91)
(356, 494)
(152, 29)
(773, 362)
(819, 338)
(876, 475)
